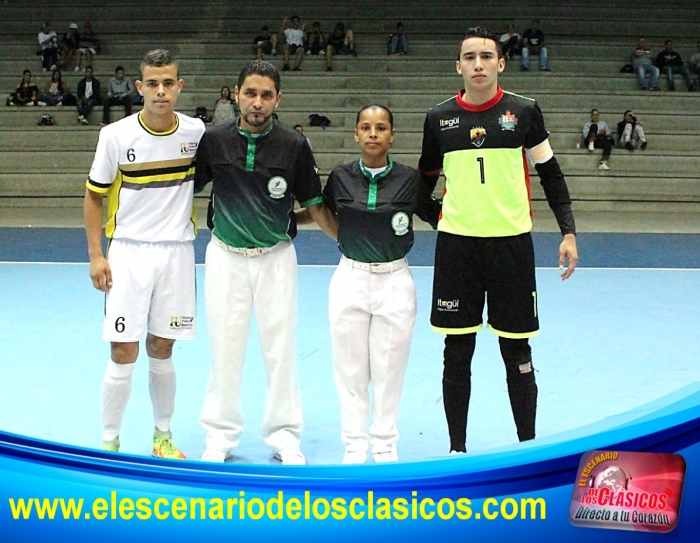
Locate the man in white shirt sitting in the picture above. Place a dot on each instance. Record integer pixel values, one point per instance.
(295, 36)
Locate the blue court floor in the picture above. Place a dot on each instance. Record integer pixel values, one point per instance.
(623, 331)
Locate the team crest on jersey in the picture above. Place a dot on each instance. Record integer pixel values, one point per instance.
(478, 135)
(188, 148)
(400, 223)
(508, 121)
(277, 187)
(181, 323)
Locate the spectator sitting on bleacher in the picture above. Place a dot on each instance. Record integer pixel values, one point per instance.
(48, 40)
(510, 42)
(340, 42)
(398, 43)
(224, 108)
(299, 128)
(643, 66)
(88, 95)
(56, 91)
(533, 44)
(694, 64)
(295, 36)
(26, 94)
(671, 63)
(265, 43)
(630, 132)
(89, 46)
(70, 43)
(120, 92)
(597, 135)
(315, 40)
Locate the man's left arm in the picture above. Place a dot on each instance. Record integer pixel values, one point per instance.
(322, 215)
(557, 194)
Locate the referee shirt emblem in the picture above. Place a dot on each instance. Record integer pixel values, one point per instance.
(277, 187)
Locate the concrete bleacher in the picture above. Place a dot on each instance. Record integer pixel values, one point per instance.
(588, 43)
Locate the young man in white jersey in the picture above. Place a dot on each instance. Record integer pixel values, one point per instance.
(144, 164)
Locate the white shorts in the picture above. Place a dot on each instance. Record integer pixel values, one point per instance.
(153, 290)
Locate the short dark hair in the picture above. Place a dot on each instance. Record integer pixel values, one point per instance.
(262, 68)
(595, 109)
(298, 126)
(263, 28)
(158, 58)
(480, 32)
(118, 68)
(295, 17)
(376, 106)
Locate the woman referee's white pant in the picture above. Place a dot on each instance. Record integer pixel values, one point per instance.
(235, 285)
(371, 318)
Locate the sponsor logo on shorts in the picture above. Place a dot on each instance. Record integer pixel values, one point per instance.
(508, 121)
(400, 223)
(181, 323)
(478, 136)
(447, 124)
(277, 187)
(447, 305)
(188, 148)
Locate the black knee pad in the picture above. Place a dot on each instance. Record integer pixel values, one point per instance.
(458, 353)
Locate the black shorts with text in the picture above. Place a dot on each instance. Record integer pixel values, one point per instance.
(471, 271)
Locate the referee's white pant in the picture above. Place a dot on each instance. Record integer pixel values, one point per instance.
(235, 285)
(371, 318)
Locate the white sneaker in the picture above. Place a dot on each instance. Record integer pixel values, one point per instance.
(210, 455)
(84, 121)
(457, 452)
(274, 52)
(40, 103)
(291, 456)
(382, 457)
(355, 457)
(80, 118)
(603, 165)
(76, 69)
(591, 147)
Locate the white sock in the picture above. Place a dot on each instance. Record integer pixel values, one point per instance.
(162, 385)
(116, 389)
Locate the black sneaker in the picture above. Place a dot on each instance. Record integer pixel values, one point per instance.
(285, 68)
(296, 69)
(329, 68)
(629, 146)
(524, 69)
(643, 145)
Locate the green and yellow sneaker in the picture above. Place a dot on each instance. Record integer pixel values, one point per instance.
(163, 447)
(112, 445)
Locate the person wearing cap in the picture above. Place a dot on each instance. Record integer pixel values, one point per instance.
(89, 45)
(70, 43)
(48, 40)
